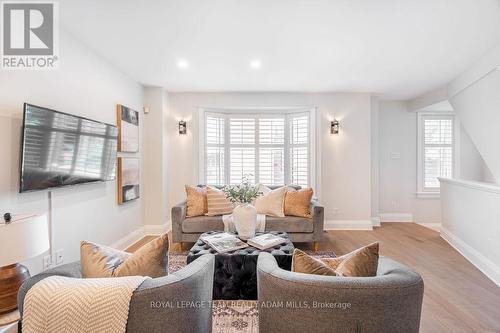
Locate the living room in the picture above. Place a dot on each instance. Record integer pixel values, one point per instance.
(361, 136)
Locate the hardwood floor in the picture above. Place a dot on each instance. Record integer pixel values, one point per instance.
(457, 297)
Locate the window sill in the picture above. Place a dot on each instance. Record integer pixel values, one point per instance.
(428, 195)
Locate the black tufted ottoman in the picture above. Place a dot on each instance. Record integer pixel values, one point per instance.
(236, 271)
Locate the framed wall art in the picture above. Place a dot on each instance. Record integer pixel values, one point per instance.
(128, 129)
(128, 179)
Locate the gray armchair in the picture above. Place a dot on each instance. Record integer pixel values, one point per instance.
(295, 302)
(192, 284)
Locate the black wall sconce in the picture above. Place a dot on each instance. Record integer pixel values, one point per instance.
(182, 127)
(334, 126)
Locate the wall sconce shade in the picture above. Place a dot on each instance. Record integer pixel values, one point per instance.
(334, 126)
(182, 127)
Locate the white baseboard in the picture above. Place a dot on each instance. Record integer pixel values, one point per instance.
(138, 234)
(129, 239)
(348, 225)
(375, 221)
(490, 269)
(152, 229)
(396, 217)
(433, 226)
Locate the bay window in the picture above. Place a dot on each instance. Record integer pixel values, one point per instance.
(274, 147)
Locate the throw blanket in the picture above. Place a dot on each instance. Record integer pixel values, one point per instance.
(61, 304)
(260, 226)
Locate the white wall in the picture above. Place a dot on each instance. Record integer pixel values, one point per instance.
(472, 166)
(375, 167)
(84, 85)
(474, 96)
(398, 167)
(477, 107)
(470, 223)
(345, 162)
(154, 199)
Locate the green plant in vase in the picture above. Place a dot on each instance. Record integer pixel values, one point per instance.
(244, 214)
(245, 193)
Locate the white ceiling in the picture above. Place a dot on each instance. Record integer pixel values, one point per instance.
(395, 48)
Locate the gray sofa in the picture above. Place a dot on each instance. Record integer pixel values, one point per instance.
(192, 283)
(300, 229)
(388, 302)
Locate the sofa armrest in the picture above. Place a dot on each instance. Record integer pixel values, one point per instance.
(178, 215)
(318, 215)
(179, 302)
(72, 270)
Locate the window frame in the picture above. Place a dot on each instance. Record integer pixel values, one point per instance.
(422, 191)
(244, 112)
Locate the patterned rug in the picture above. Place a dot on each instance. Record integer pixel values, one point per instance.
(232, 316)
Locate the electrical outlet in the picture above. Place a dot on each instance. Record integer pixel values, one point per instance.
(394, 204)
(335, 211)
(47, 262)
(395, 155)
(59, 256)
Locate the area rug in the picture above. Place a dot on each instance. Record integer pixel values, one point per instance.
(232, 316)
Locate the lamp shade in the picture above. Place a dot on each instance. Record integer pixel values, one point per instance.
(24, 238)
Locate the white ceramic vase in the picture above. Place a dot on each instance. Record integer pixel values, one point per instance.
(245, 219)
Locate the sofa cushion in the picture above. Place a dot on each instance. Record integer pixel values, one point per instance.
(202, 224)
(288, 224)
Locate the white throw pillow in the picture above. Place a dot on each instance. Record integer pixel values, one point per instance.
(271, 202)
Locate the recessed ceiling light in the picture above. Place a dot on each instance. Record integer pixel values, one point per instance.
(255, 64)
(182, 63)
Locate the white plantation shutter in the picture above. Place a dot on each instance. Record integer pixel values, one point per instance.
(215, 149)
(272, 131)
(242, 131)
(273, 148)
(299, 149)
(241, 149)
(438, 145)
(241, 163)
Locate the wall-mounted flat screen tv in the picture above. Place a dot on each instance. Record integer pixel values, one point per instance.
(60, 149)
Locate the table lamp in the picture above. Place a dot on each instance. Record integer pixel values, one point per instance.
(21, 238)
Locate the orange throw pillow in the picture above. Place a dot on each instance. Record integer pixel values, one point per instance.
(99, 261)
(362, 262)
(196, 201)
(297, 203)
(304, 263)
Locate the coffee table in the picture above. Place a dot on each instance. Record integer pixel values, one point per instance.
(235, 274)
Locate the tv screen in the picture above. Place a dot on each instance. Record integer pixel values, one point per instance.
(60, 149)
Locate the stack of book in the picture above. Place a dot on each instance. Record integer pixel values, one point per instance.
(224, 242)
(266, 241)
